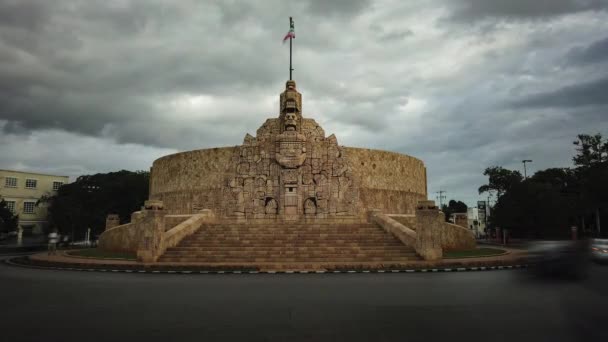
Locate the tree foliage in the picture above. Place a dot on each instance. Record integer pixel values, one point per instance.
(500, 181)
(86, 202)
(453, 207)
(551, 201)
(591, 150)
(8, 220)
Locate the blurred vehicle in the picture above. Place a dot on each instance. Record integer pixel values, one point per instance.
(12, 233)
(599, 250)
(559, 258)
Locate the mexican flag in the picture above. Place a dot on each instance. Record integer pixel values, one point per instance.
(291, 33)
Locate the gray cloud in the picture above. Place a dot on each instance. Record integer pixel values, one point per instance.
(131, 81)
(595, 53)
(582, 94)
(467, 10)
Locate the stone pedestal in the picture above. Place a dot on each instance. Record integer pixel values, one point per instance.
(152, 220)
(429, 221)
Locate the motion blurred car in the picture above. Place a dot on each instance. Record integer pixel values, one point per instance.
(599, 250)
(559, 258)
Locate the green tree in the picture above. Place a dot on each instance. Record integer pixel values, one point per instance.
(540, 206)
(8, 221)
(453, 207)
(500, 180)
(86, 202)
(591, 161)
(591, 150)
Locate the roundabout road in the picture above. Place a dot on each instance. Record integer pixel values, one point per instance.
(456, 306)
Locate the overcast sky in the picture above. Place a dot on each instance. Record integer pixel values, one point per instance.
(97, 86)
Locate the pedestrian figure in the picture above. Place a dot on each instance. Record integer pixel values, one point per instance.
(53, 239)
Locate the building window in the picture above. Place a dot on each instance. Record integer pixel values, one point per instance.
(57, 185)
(10, 205)
(28, 207)
(10, 182)
(31, 183)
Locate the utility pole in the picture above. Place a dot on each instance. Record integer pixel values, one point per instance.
(441, 197)
(524, 162)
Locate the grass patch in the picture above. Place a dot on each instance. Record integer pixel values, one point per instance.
(470, 253)
(101, 254)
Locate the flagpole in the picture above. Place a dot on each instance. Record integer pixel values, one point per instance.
(290, 39)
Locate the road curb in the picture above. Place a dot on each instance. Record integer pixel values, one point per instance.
(11, 262)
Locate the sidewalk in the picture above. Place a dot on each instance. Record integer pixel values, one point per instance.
(512, 258)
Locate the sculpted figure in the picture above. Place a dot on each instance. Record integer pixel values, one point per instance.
(310, 208)
(271, 206)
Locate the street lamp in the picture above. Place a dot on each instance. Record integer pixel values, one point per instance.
(525, 172)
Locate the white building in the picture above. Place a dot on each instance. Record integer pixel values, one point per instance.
(476, 225)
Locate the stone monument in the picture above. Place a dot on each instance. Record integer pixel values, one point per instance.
(290, 174)
(289, 171)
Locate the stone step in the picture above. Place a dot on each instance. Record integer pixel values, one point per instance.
(289, 242)
(282, 239)
(287, 251)
(294, 232)
(289, 224)
(228, 233)
(291, 232)
(286, 259)
(293, 255)
(281, 248)
(281, 242)
(292, 235)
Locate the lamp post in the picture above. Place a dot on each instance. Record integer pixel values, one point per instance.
(525, 171)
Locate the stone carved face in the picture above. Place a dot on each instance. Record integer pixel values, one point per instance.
(291, 122)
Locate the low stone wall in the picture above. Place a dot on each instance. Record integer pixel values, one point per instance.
(123, 238)
(405, 219)
(151, 232)
(403, 233)
(171, 221)
(454, 237)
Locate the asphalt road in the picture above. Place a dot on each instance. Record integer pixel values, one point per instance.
(37, 305)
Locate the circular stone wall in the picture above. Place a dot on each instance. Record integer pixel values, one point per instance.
(193, 180)
(389, 181)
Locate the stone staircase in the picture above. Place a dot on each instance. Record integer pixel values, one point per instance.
(296, 243)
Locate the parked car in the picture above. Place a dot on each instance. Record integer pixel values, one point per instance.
(599, 250)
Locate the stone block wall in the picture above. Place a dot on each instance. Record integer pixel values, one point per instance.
(455, 237)
(190, 181)
(391, 171)
(123, 238)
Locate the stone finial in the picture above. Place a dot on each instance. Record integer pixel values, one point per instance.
(426, 205)
(112, 220)
(153, 205)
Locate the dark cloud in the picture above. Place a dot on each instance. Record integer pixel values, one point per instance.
(129, 81)
(340, 8)
(594, 53)
(578, 95)
(24, 14)
(470, 10)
